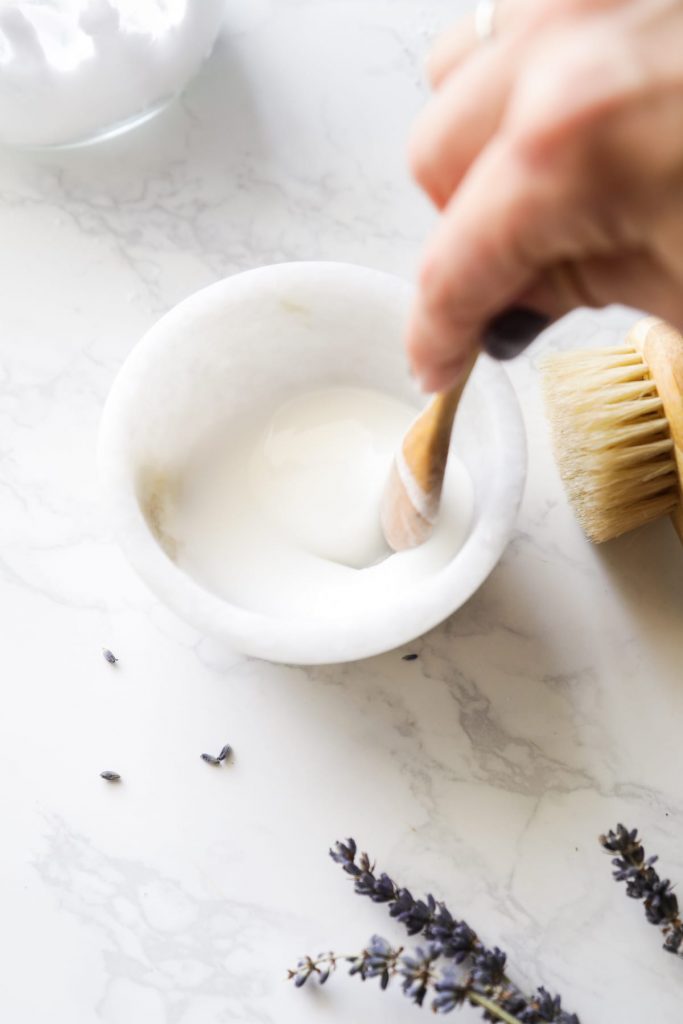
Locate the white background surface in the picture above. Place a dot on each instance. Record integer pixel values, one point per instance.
(549, 708)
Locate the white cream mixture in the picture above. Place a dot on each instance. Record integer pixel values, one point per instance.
(282, 514)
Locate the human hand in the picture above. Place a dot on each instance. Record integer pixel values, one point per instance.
(554, 152)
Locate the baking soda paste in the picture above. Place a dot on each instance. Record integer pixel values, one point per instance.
(281, 514)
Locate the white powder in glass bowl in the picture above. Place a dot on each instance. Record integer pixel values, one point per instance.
(72, 71)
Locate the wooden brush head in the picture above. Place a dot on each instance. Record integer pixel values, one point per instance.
(616, 416)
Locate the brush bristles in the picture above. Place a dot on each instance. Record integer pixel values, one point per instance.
(611, 439)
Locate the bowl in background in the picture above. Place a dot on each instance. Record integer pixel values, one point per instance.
(257, 338)
(75, 74)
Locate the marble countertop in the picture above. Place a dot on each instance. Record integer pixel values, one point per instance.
(546, 710)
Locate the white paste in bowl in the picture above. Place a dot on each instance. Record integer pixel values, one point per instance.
(183, 406)
(281, 515)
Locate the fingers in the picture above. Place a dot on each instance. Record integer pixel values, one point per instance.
(454, 46)
(450, 50)
(520, 209)
(638, 279)
(497, 236)
(476, 82)
(460, 119)
(553, 164)
(573, 79)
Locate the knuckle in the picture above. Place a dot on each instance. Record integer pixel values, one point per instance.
(527, 147)
(421, 158)
(435, 69)
(569, 89)
(428, 155)
(433, 283)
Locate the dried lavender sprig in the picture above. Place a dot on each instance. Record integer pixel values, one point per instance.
(643, 883)
(380, 960)
(455, 939)
(483, 986)
(426, 917)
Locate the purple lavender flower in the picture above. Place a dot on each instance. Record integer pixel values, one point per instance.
(643, 883)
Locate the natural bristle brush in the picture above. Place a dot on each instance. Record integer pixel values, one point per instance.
(616, 417)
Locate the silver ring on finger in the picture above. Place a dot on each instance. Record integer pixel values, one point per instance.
(485, 20)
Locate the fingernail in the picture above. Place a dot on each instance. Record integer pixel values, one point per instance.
(425, 383)
(510, 332)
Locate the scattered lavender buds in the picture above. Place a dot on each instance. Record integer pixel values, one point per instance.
(110, 776)
(108, 656)
(471, 973)
(409, 657)
(643, 883)
(226, 751)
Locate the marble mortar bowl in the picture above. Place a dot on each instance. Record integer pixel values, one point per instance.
(256, 339)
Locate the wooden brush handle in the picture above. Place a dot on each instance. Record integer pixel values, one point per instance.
(425, 446)
(661, 347)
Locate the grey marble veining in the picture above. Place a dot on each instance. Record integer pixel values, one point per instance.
(547, 709)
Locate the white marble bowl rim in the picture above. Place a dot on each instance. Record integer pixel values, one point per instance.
(302, 641)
